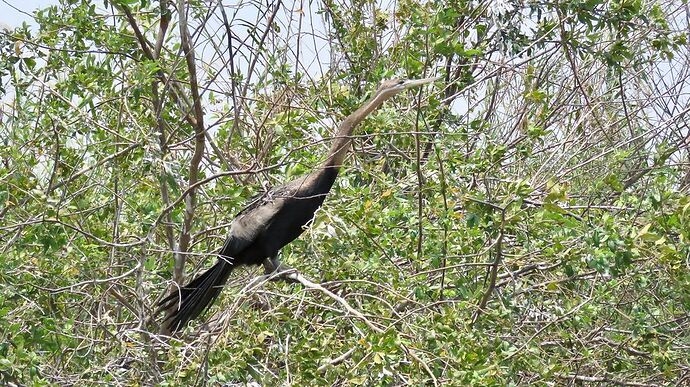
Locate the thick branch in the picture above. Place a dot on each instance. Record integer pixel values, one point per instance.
(177, 96)
(199, 146)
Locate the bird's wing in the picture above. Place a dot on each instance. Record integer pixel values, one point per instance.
(255, 201)
(256, 216)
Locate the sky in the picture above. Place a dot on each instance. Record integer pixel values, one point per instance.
(11, 11)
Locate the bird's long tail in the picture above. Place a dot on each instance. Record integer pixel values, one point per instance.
(190, 301)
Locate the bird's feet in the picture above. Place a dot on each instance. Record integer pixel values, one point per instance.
(279, 271)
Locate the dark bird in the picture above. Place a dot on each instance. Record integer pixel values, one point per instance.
(274, 219)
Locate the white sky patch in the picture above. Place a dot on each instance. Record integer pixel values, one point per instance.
(500, 7)
(43, 169)
(15, 12)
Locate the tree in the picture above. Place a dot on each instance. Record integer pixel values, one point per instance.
(527, 223)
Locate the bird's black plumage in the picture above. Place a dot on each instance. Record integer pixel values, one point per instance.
(259, 231)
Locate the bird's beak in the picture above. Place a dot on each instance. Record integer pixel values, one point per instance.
(418, 82)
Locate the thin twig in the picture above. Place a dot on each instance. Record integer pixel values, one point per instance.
(498, 254)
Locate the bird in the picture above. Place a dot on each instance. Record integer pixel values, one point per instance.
(273, 219)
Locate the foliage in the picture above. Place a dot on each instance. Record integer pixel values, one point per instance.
(524, 220)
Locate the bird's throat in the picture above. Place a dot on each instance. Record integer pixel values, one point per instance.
(343, 139)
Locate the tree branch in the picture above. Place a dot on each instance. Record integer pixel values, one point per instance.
(199, 146)
(494, 269)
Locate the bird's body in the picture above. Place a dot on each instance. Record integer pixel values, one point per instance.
(276, 218)
(272, 220)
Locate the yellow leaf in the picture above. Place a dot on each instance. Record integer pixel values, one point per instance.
(686, 207)
(645, 230)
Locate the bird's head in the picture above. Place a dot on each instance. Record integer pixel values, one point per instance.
(392, 87)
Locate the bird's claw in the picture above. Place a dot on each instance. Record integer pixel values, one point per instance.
(277, 271)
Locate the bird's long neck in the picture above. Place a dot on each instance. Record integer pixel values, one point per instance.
(342, 140)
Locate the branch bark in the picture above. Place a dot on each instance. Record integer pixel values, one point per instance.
(199, 145)
(493, 275)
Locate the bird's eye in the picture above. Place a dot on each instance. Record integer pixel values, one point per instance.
(401, 81)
